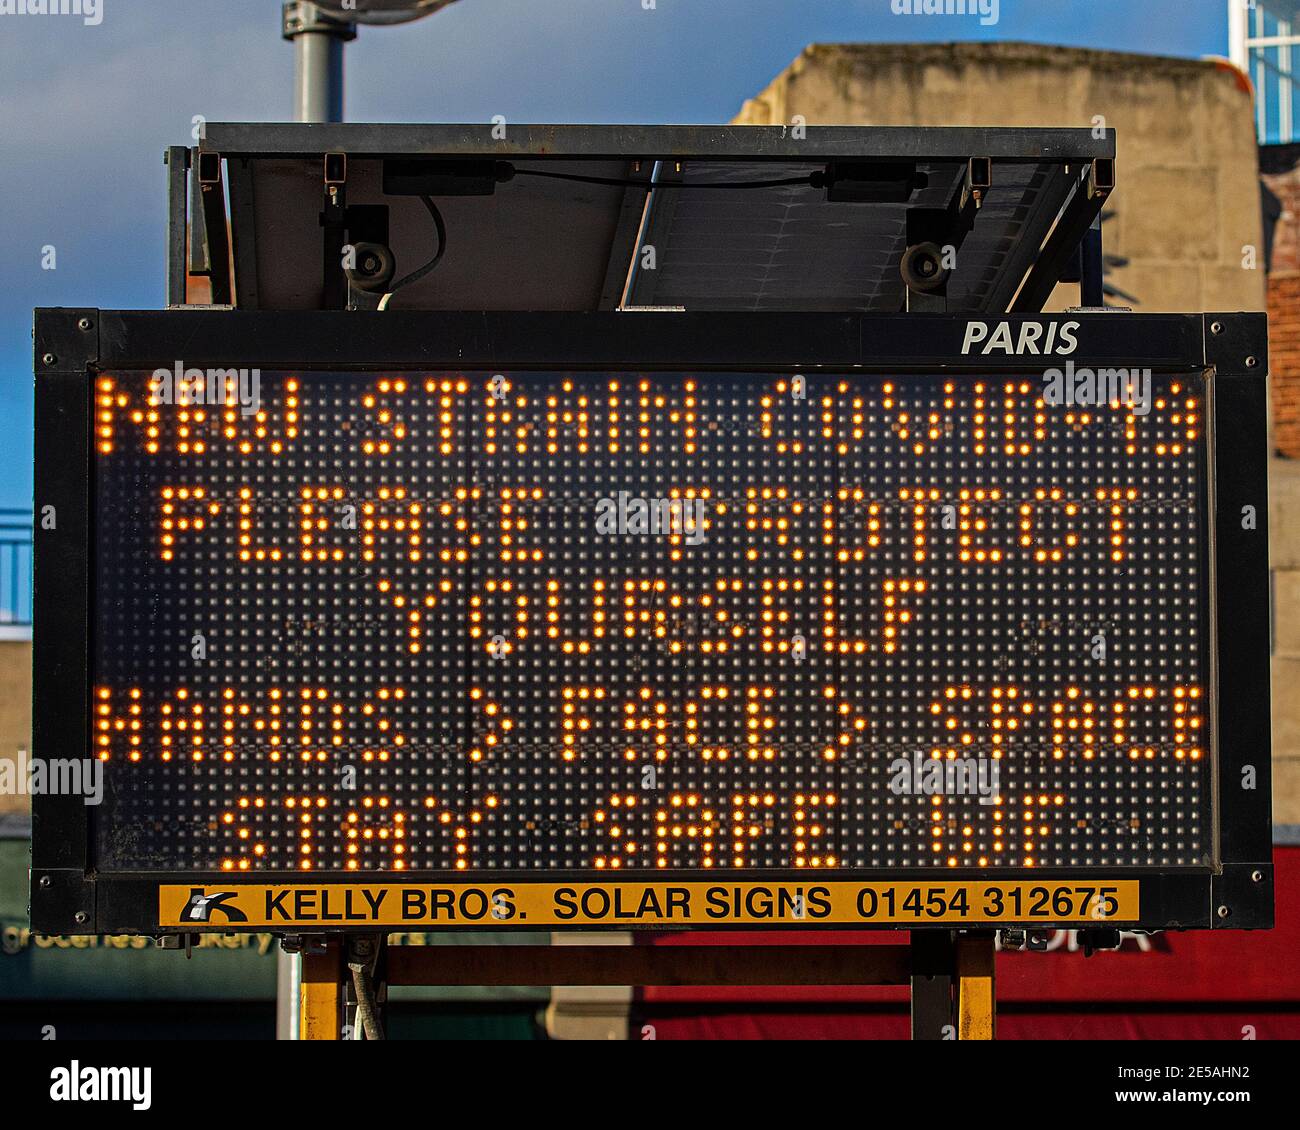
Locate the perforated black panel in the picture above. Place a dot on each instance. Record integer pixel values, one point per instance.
(414, 621)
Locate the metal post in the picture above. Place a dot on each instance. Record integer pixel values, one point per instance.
(288, 990)
(177, 159)
(933, 961)
(976, 1011)
(1238, 33)
(320, 993)
(1092, 292)
(318, 38)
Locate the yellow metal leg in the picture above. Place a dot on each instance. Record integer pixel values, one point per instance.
(320, 997)
(976, 1011)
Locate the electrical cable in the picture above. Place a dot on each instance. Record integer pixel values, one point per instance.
(418, 274)
(367, 1007)
(812, 180)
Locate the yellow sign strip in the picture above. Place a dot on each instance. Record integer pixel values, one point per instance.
(633, 904)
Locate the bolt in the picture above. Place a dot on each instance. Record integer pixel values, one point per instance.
(1224, 912)
(84, 324)
(79, 918)
(1257, 876)
(46, 881)
(49, 359)
(1216, 327)
(1251, 362)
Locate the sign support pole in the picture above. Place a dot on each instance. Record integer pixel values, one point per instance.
(931, 983)
(950, 973)
(320, 993)
(976, 1012)
(318, 38)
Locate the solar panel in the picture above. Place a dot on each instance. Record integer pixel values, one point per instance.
(586, 218)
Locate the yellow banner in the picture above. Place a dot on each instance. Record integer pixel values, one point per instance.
(340, 906)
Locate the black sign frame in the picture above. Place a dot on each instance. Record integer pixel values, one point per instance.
(72, 346)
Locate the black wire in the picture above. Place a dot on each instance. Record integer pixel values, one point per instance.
(417, 275)
(811, 181)
(620, 182)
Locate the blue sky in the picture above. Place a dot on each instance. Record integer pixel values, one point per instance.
(88, 110)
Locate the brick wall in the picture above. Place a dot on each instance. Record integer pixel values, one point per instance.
(1280, 172)
(1281, 175)
(1284, 361)
(1284, 313)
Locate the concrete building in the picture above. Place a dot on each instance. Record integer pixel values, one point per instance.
(1186, 211)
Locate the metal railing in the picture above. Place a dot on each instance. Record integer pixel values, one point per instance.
(15, 568)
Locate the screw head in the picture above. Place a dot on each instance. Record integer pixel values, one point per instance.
(84, 324)
(45, 882)
(79, 918)
(1251, 362)
(1223, 912)
(49, 359)
(1257, 876)
(1216, 327)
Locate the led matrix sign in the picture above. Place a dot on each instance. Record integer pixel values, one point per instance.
(621, 624)
(625, 620)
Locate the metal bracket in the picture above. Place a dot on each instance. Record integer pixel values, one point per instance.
(301, 17)
(1237, 344)
(333, 219)
(177, 160)
(63, 895)
(931, 230)
(184, 942)
(1099, 938)
(1242, 896)
(66, 340)
(304, 943)
(209, 253)
(1078, 214)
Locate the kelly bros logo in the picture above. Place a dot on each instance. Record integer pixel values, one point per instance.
(201, 906)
